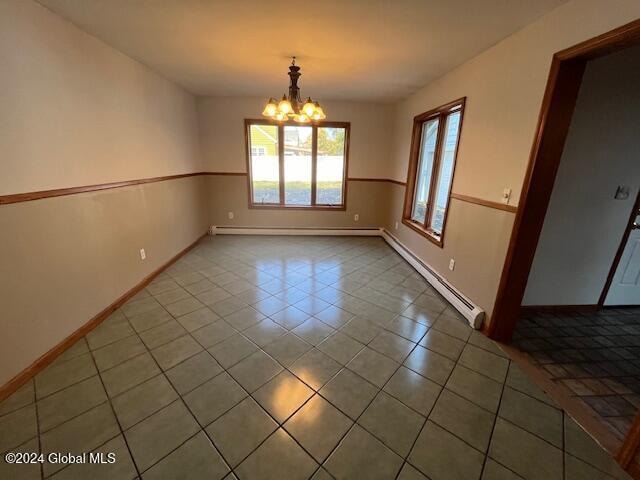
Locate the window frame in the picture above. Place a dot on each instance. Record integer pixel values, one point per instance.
(441, 113)
(314, 163)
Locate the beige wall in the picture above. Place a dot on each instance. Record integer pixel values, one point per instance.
(370, 200)
(476, 236)
(222, 140)
(74, 111)
(504, 87)
(64, 259)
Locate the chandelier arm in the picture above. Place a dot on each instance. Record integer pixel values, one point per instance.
(292, 105)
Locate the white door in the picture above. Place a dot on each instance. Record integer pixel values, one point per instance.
(625, 287)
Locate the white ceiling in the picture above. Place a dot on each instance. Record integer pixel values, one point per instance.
(375, 50)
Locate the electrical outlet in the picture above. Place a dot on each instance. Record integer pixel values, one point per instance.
(356, 217)
(506, 195)
(230, 215)
(396, 225)
(452, 264)
(143, 254)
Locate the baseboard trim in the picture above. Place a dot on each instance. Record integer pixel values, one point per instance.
(46, 359)
(316, 231)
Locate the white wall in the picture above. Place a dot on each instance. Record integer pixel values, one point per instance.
(223, 143)
(584, 223)
(74, 111)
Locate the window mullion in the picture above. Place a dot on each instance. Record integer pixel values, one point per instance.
(314, 163)
(435, 168)
(281, 162)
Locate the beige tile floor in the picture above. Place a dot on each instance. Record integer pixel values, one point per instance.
(287, 358)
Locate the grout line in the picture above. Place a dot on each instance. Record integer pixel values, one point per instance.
(405, 460)
(35, 402)
(66, 386)
(93, 450)
(495, 420)
(343, 295)
(113, 412)
(281, 425)
(355, 422)
(181, 399)
(204, 349)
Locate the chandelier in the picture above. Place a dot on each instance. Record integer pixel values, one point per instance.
(291, 106)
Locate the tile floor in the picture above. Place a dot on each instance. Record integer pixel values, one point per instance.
(596, 356)
(287, 358)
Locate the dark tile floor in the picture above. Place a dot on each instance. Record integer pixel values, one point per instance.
(596, 356)
(293, 358)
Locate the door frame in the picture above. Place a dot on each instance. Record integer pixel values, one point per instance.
(621, 248)
(563, 84)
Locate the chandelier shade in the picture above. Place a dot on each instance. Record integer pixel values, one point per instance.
(291, 106)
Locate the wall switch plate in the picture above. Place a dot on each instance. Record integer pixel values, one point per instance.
(506, 195)
(230, 215)
(356, 217)
(143, 254)
(622, 192)
(396, 225)
(452, 264)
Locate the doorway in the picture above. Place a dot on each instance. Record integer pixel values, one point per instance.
(623, 284)
(563, 85)
(622, 266)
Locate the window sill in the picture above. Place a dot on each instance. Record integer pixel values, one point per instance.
(428, 234)
(258, 206)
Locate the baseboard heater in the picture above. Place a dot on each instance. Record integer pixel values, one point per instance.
(316, 231)
(473, 313)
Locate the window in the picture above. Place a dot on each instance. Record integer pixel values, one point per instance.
(434, 145)
(297, 166)
(258, 151)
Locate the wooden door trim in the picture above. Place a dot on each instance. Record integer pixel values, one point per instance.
(558, 103)
(620, 251)
(631, 443)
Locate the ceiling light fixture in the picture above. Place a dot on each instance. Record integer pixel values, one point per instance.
(291, 106)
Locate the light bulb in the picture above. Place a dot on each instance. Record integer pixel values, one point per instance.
(309, 107)
(270, 109)
(285, 105)
(302, 118)
(319, 113)
(280, 116)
